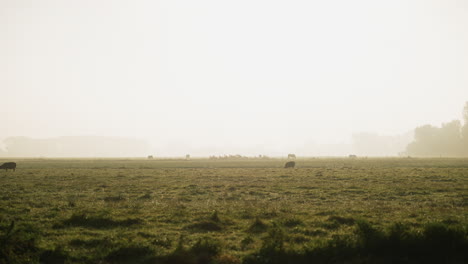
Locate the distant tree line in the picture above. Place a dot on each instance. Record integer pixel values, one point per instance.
(449, 140)
(74, 146)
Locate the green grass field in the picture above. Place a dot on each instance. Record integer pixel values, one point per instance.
(387, 210)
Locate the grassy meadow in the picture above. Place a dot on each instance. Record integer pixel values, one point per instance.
(326, 210)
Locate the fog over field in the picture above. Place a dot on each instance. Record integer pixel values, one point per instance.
(315, 78)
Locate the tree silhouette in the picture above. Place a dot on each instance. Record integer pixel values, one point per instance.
(449, 140)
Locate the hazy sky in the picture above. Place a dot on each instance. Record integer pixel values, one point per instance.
(214, 73)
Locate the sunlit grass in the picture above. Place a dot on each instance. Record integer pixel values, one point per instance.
(100, 210)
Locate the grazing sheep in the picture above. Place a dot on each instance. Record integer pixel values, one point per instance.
(290, 164)
(8, 166)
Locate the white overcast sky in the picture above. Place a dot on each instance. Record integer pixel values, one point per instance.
(213, 73)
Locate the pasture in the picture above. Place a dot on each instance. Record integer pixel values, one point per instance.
(328, 210)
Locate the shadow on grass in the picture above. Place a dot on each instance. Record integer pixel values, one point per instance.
(205, 226)
(437, 243)
(131, 254)
(92, 243)
(212, 224)
(258, 226)
(96, 221)
(205, 250)
(292, 222)
(18, 244)
(399, 243)
(334, 222)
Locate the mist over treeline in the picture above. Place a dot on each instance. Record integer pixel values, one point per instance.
(74, 146)
(363, 144)
(373, 144)
(449, 140)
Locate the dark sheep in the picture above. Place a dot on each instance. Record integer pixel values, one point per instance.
(8, 166)
(290, 164)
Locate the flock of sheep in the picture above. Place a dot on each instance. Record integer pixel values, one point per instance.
(290, 164)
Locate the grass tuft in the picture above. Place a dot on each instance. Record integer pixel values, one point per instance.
(247, 242)
(214, 217)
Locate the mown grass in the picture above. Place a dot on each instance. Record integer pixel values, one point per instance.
(247, 211)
